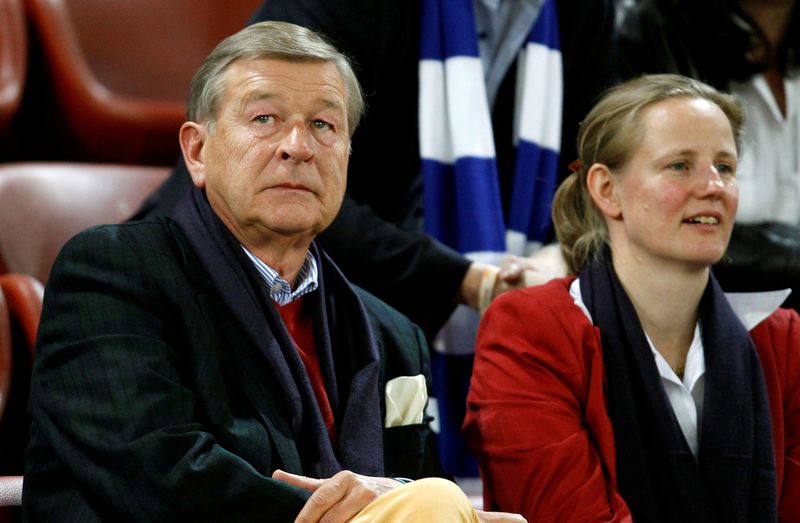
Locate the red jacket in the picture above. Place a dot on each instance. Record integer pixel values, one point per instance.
(537, 417)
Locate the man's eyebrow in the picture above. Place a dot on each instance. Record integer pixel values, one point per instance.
(332, 103)
(257, 96)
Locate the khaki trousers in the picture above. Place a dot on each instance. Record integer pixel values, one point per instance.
(426, 500)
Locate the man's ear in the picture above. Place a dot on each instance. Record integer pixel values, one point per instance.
(602, 186)
(192, 137)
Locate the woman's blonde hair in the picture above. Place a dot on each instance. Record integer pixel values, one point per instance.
(609, 135)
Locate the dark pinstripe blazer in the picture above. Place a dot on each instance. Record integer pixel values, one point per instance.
(152, 398)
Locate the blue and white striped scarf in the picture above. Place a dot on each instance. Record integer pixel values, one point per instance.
(462, 203)
(461, 189)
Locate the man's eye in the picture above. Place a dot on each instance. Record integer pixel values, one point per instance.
(264, 118)
(678, 166)
(320, 124)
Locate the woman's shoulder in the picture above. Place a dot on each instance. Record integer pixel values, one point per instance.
(777, 340)
(543, 315)
(552, 295)
(539, 335)
(549, 299)
(779, 331)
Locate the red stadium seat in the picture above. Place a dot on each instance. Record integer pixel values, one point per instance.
(121, 69)
(15, 371)
(24, 306)
(5, 353)
(23, 294)
(42, 205)
(10, 496)
(13, 58)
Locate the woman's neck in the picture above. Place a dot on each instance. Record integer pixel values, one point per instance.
(666, 299)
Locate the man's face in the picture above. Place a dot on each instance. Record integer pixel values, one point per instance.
(275, 165)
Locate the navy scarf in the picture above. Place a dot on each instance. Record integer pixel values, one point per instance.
(733, 479)
(348, 353)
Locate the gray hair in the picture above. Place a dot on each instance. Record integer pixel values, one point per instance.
(609, 135)
(268, 40)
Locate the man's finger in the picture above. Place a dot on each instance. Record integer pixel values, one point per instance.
(303, 482)
(511, 273)
(330, 496)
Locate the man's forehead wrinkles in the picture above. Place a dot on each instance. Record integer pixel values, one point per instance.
(261, 86)
(326, 73)
(257, 95)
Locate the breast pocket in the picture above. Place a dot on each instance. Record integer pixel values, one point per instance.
(410, 452)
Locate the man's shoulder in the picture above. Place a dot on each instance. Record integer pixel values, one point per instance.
(395, 334)
(382, 314)
(149, 240)
(401, 341)
(154, 228)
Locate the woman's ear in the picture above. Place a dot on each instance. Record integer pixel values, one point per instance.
(192, 138)
(602, 186)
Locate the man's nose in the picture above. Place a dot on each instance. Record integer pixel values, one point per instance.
(295, 144)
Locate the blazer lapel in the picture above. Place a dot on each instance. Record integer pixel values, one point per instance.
(341, 322)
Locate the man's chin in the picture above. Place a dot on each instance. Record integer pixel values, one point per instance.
(289, 228)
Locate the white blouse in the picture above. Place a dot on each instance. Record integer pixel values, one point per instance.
(769, 160)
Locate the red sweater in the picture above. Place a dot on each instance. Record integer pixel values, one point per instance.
(298, 323)
(537, 418)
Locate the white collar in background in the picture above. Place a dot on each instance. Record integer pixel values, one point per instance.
(754, 307)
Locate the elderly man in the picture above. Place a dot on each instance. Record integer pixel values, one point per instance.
(209, 367)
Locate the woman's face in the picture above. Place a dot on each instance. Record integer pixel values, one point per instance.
(677, 196)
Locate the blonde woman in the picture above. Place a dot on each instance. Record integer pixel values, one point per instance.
(636, 389)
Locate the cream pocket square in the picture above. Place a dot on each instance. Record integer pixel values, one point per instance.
(405, 400)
